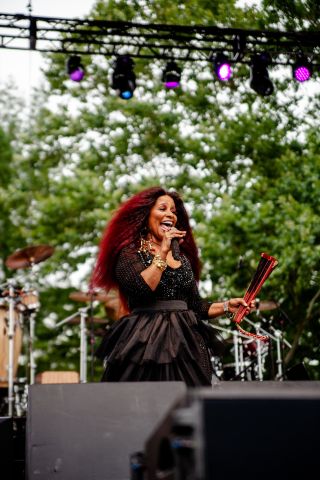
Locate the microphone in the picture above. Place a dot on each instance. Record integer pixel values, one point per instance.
(175, 248)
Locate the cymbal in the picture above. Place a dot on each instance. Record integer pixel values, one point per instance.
(26, 257)
(76, 320)
(89, 296)
(267, 305)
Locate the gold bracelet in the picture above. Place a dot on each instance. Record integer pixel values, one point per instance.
(159, 263)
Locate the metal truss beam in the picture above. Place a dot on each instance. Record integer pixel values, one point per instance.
(176, 42)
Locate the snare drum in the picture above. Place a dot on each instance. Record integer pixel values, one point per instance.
(29, 300)
(4, 345)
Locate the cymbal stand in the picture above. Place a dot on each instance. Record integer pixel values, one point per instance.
(31, 316)
(279, 356)
(83, 312)
(83, 344)
(238, 355)
(280, 342)
(240, 365)
(11, 331)
(260, 355)
(31, 350)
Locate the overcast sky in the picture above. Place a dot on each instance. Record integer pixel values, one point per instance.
(24, 66)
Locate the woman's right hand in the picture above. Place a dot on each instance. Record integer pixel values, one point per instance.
(169, 236)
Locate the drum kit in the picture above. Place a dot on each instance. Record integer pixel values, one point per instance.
(19, 306)
(250, 356)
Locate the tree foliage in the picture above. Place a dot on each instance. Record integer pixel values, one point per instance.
(246, 166)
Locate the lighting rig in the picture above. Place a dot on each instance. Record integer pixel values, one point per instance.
(260, 50)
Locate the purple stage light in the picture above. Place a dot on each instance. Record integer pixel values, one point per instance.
(222, 67)
(77, 75)
(75, 68)
(302, 68)
(171, 75)
(173, 84)
(224, 72)
(302, 74)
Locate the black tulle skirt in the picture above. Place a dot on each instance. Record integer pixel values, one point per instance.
(162, 342)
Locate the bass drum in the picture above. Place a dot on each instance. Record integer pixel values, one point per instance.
(4, 345)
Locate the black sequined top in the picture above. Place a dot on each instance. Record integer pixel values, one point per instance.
(175, 284)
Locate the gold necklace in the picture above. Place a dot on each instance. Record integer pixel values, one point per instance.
(145, 246)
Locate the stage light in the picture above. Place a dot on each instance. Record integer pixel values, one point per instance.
(222, 67)
(171, 75)
(124, 79)
(259, 78)
(75, 68)
(302, 69)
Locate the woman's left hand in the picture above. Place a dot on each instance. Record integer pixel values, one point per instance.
(234, 304)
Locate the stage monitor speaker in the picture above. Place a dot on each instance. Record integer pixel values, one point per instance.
(239, 430)
(89, 431)
(6, 444)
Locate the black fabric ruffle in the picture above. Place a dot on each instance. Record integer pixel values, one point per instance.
(160, 345)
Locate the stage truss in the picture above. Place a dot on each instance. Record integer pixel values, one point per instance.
(149, 41)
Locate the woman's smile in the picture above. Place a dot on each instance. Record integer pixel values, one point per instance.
(162, 216)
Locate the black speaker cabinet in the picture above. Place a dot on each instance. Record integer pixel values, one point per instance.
(239, 430)
(6, 444)
(89, 431)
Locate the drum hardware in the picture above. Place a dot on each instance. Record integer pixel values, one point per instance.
(280, 341)
(29, 256)
(83, 313)
(33, 365)
(250, 352)
(261, 306)
(101, 321)
(249, 366)
(11, 338)
(15, 314)
(261, 355)
(29, 305)
(19, 304)
(240, 365)
(21, 397)
(28, 300)
(111, 301)
(89, 296)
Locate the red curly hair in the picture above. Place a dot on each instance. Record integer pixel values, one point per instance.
(127, 226)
